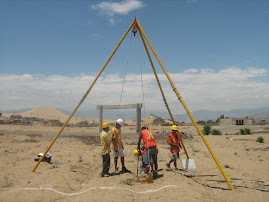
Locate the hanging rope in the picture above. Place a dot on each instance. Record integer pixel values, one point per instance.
(144, 106)
(124, 75)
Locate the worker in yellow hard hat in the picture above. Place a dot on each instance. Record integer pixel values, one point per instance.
(143, 127)
(148, 138)
(105, 149)
(174, 142)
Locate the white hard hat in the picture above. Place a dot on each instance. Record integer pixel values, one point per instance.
(120, 121)
(40, 154)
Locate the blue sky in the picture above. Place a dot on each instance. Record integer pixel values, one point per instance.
(215, 51)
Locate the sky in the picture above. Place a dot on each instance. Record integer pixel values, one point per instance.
(216, 53)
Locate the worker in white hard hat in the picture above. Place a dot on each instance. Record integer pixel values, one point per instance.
(118, 146)
(105, 149)
(174, 142)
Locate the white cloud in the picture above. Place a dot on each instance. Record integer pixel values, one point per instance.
(26, 77)
(191, 71)
(124, 7)
(225, 89)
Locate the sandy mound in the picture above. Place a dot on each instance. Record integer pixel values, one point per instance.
(46, 113)
(50, 113)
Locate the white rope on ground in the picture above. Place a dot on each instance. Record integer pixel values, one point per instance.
(103, 188)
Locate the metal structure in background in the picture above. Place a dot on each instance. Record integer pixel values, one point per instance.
(136, 25)
(137, 106)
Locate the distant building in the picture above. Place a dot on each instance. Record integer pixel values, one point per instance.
(236, 121)
(15, 119)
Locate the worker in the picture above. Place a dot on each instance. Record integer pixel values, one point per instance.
(142, 165)
(118, 146)
(174, 142)
(150, 145)
(105, 149)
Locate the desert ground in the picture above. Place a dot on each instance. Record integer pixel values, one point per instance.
(74, 174)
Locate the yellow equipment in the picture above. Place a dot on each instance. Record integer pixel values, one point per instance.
(144, 37)
(174, 127)
(105, 125)
(136, 153)
(143, 126)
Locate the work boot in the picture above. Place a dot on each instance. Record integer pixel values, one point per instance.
(155, 174)
(103, 174)
(167, 165)
(125, 170)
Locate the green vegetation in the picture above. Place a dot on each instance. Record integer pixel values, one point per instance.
(216, 132)
(227, 166)
(260, 139)
(242, 132)
(248, 131)
(80, 159)
(206, 129)
(83, 124)
(245, 131)
(127, 182)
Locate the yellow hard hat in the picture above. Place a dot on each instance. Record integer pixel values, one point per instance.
(143, 126)
(136, 153)
(174, 127)
(105, 125)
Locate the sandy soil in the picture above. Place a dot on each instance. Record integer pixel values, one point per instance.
(74, 174)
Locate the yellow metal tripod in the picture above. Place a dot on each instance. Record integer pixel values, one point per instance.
(136, 25)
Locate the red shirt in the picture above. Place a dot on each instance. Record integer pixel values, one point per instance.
(174, 139)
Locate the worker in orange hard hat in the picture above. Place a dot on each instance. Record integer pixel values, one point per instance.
(174, 142)
(105, 149)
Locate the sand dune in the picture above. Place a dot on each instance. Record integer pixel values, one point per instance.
(54, 114)
(46, 113)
